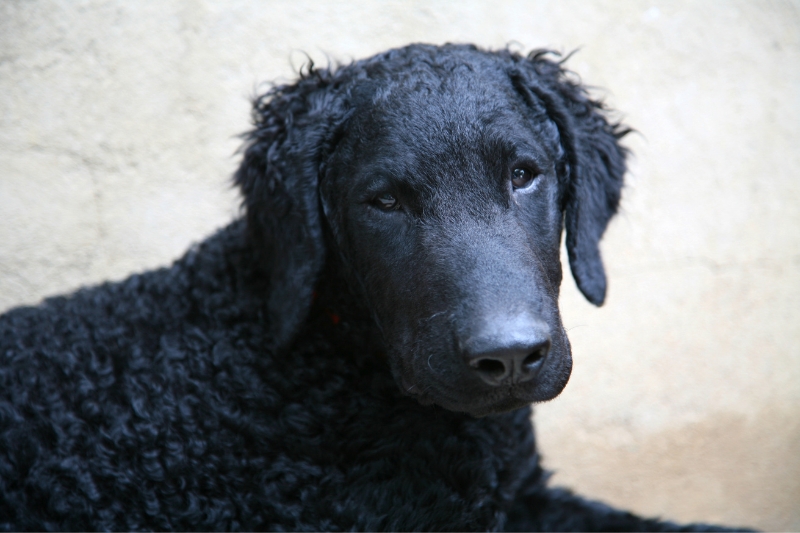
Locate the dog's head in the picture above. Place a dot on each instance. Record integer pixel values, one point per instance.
(440, 178)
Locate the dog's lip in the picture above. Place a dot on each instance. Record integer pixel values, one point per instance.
(491, 405)
(492, 401)
(407, 386)
(410, 388)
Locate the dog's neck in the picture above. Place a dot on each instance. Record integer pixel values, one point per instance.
(339, 308)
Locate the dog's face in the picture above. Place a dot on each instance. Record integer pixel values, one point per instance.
(439, 177)
(444, 202)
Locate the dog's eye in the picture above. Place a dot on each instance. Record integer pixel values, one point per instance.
(521, 178)
(386, 201)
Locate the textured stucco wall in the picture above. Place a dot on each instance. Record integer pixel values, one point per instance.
(117, 132)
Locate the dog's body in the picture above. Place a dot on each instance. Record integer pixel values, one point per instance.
(361, 350)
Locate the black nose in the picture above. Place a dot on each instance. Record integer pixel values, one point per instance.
(514, 361)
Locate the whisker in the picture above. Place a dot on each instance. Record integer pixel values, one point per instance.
(578, 326)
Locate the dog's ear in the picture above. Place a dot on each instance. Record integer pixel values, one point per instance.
(278, 177)
(593, 166)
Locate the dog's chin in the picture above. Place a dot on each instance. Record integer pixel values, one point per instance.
(479, 410)
(493, 403)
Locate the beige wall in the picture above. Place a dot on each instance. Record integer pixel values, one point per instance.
(117, 132)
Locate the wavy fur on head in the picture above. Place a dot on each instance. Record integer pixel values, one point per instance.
(360, 351)
(298, 125)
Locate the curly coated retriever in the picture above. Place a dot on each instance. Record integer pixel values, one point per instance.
(361, 349)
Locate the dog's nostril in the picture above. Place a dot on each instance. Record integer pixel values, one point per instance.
(491, 368)
(511, 364)
(532, 359)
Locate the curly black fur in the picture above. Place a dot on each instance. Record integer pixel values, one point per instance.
(304, 368)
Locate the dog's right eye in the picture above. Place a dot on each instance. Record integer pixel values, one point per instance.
(386, 202)
(522, 177)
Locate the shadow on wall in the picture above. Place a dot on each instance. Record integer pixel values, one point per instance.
(656, 472)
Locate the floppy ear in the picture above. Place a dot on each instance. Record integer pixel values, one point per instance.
(592, 170)
(278, 177)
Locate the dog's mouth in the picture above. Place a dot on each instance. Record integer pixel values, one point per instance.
(494, 402)
(462, 392)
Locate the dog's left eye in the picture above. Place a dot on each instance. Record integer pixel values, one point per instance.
(386, 202)
(521, 178)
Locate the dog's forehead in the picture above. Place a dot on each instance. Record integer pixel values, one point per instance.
(462, 122)
(444, 107)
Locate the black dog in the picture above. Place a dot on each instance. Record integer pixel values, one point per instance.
(360, 351)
